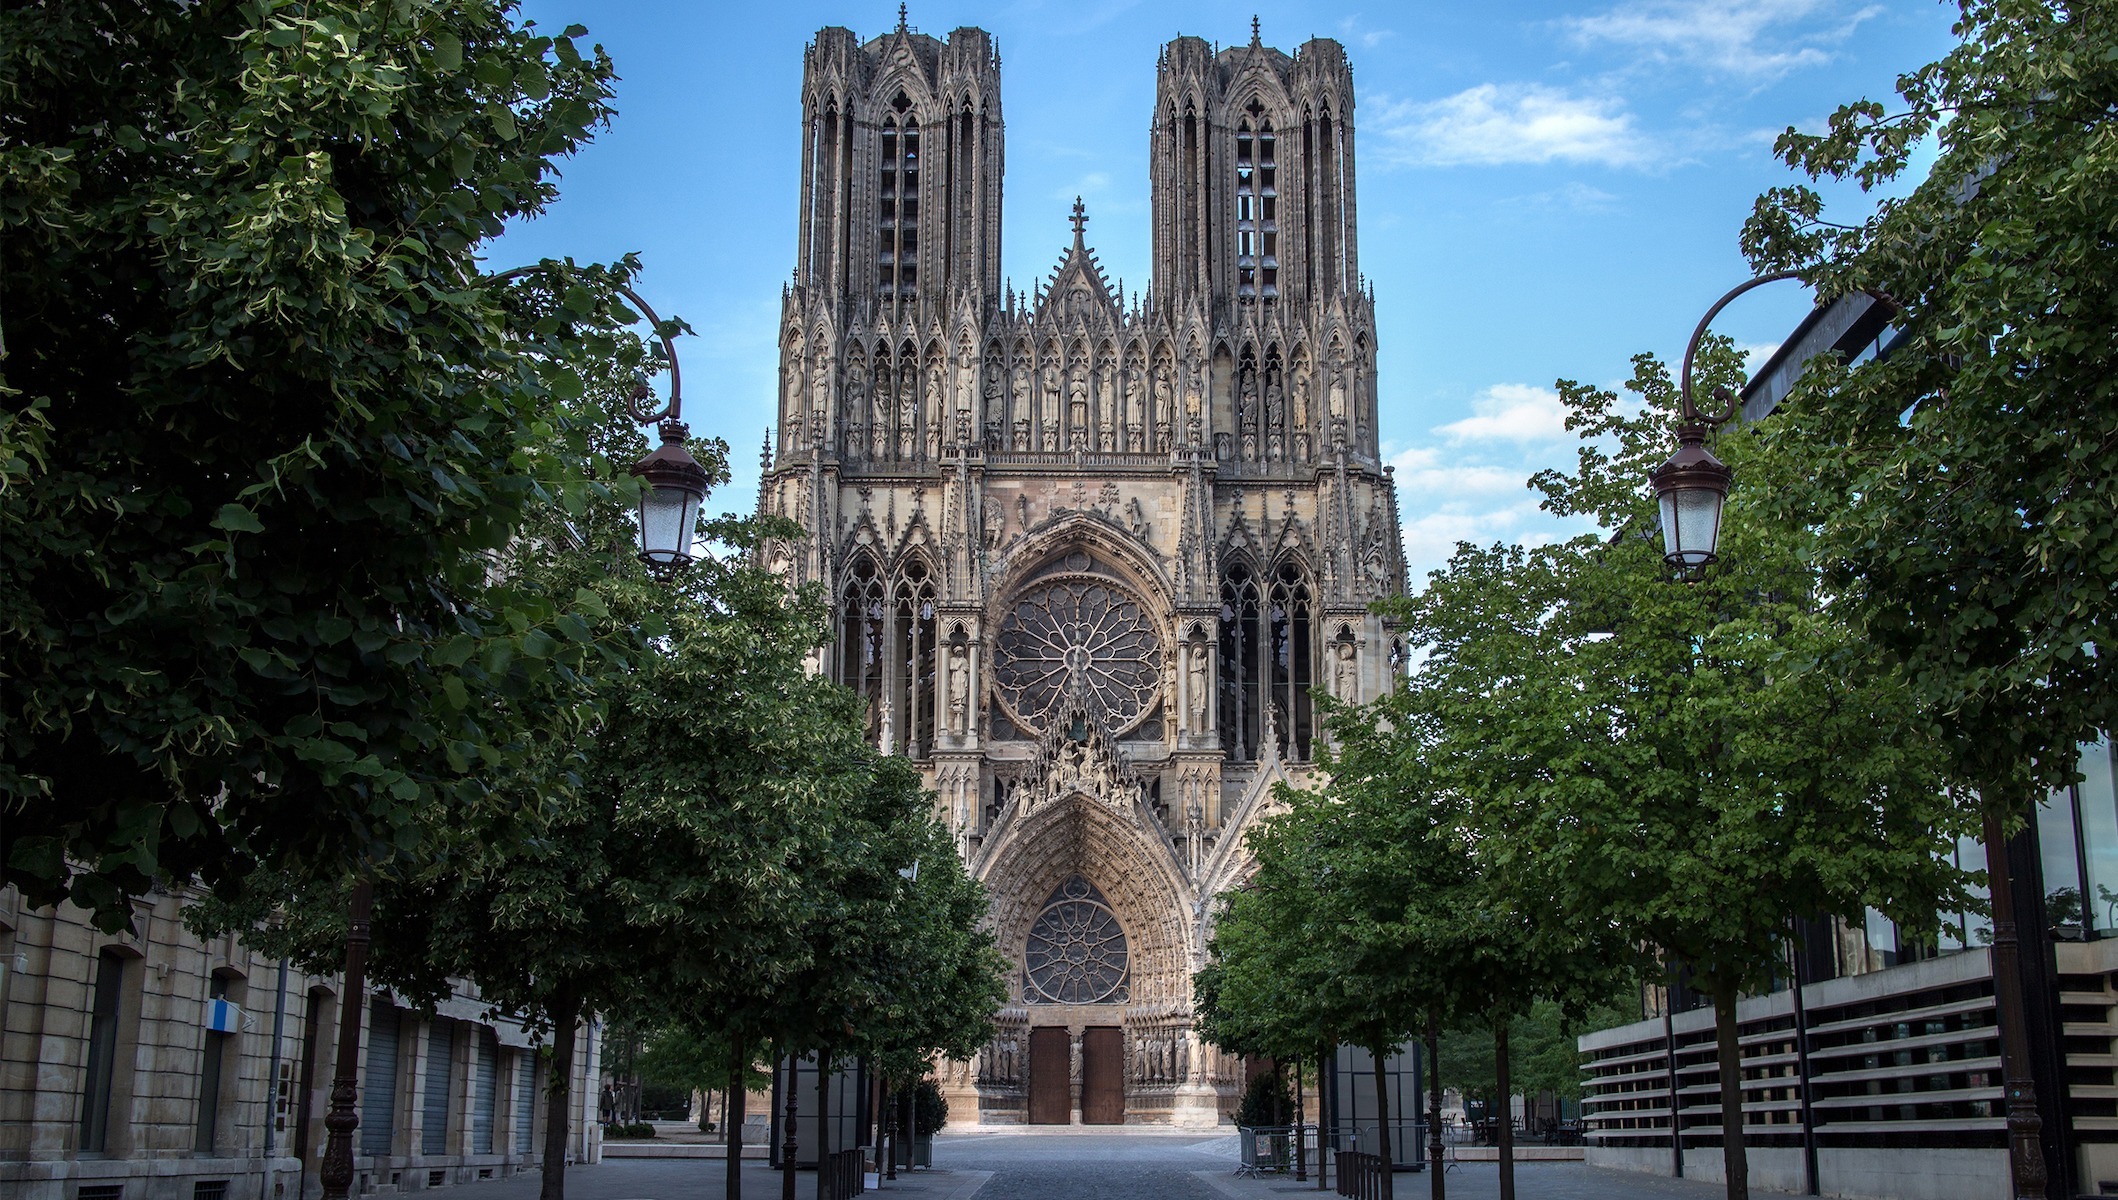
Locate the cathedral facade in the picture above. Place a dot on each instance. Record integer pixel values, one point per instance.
(1096, 557)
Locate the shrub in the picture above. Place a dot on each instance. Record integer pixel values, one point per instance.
(929, 1110)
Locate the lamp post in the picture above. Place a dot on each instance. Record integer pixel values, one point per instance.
(675, 487)
(1691, 487)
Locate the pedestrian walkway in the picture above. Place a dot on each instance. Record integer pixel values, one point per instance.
(1133, 1163)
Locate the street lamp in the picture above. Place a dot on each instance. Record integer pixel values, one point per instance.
(1691, 488)
(674, 482)
(668, 515)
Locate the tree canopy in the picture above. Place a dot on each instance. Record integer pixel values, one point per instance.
(1688, 766)
(263, 418)
(1962, 483)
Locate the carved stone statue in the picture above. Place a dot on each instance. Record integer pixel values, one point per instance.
(1194, 390)
(1346, 675)
(933, 414)
(1019, 389)
(1050, 399)
(959, 687)
(1301, 398)
(1337, 393)
(820, 387)
(1162, 393)
(1077, 400)
(907, 415)
(1275, 405)
(996, 523)
(1200, 684)
(879, 414)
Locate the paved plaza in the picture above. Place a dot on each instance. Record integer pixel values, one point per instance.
(1070, 1164)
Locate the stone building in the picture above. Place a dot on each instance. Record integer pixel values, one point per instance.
(1095, 556)
(157, 1066)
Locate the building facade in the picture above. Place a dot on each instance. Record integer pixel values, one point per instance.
(1096, 557)
(1874, 1068)
(155, 1065)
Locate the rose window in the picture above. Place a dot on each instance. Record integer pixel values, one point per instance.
(1076, 952)
(1080, 631)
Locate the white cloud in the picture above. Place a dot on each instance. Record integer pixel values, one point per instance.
(1514, 412)
(1087, 187)
(1422, 473)
(1497, 123)
(1755, 354)
(1572, 196)
(1349, 30)
(1756, 39)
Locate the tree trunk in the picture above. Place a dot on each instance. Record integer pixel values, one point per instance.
(1382, 1125)
(1434, 1146)
(1301, 1166)
(823, 1109)
(1506, 1129)
(565, 1013)
(1323, 1115)
(787, 1143)
(732, 1119)
(1729, 1058)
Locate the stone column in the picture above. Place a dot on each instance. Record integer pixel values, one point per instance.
(1073, 1075)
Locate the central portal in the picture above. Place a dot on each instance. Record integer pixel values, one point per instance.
(1103, 1075)
(1051, 1100)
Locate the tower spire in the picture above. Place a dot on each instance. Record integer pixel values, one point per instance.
(1253, 27)
(1080, 219)
(901, 17)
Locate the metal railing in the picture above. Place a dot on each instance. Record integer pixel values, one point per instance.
(1267, 1149)
(840, 1176)
(1362, 1176)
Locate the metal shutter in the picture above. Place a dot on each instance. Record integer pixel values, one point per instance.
(434, 1110)
(378, 1100)
(485, 1083)
(525, 1103)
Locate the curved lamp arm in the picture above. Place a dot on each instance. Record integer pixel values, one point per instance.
(672, 411)
(1727, 400)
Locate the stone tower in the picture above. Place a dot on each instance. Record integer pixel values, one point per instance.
(1094, 556)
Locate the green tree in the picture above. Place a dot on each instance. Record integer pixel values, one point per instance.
(715, 791)
(1962, 484)
(1356, 880)
(1689, 766)
(262, 417)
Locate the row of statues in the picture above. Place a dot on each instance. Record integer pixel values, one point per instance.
(897, 412)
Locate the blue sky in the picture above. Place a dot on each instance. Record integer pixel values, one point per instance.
(1544, 189)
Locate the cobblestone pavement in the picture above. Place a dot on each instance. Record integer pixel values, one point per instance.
(1078, 1164)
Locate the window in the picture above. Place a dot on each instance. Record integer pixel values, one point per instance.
(1076, 952)
(1246, 209)
(378, 1093)
(1267, 660)
(915, 702)
(1268, 225)
(1292, 624)
(2077, 843)
(897, 204)
(213, 1060)
(1241, 702)
(103, 1017)
(860, 637)
(440, 1086)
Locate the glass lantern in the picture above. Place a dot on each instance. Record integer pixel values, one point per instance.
(1691, 487)
(675, 488)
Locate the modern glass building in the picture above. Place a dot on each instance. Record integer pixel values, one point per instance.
(1874, 1069)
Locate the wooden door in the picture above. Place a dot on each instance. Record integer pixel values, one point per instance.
(1051, 1102)
(1102, 1075)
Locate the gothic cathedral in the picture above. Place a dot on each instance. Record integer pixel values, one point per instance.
(1095, 556)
